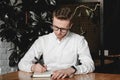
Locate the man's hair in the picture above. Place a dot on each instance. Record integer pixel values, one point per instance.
(63, 13)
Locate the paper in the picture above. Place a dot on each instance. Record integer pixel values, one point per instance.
(44, 74)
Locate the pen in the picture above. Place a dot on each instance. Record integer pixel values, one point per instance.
(40, 61)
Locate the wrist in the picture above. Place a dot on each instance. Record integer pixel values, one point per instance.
(32, 68)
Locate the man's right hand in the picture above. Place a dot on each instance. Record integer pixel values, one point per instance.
(38, 68)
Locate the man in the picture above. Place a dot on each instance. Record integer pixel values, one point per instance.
(61, 50)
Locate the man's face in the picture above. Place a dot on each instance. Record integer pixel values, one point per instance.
(60, 27)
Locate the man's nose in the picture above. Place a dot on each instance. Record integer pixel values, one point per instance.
(59, 31)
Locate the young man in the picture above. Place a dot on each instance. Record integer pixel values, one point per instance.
(61, 50)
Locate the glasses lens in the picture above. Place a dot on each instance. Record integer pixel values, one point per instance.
(55, 28)
(64, 30)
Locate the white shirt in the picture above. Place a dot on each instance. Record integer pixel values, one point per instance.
(59, 54)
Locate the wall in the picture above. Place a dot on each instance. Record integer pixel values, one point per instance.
(5, 52)
(111, 25)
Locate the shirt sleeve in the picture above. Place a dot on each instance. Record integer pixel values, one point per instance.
(84, 56)
(29, 59)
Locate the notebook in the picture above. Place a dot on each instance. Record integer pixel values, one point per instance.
(42, 75)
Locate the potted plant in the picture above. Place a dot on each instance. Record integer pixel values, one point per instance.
(21, 23)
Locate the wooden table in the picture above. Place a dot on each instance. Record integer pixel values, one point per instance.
(19, 75)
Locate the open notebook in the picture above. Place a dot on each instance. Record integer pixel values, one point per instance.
(44, 74)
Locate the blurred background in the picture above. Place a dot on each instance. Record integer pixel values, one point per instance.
(23, 21)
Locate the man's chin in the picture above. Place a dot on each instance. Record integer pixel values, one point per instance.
(59, 38)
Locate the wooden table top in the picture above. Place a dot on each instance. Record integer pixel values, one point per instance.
(19, 75)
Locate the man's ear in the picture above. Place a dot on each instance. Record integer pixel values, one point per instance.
(71, 25)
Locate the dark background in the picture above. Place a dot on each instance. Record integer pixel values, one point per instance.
(111, 28)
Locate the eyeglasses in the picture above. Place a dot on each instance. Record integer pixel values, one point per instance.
(63, 30)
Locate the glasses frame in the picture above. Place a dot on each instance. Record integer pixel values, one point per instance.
(56, 28)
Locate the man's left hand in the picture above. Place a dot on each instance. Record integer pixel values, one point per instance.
(62, 73)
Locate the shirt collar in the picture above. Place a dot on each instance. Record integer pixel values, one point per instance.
(63, 37)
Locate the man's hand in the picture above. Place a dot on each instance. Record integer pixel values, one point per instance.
(63, 73)
(38, 68)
